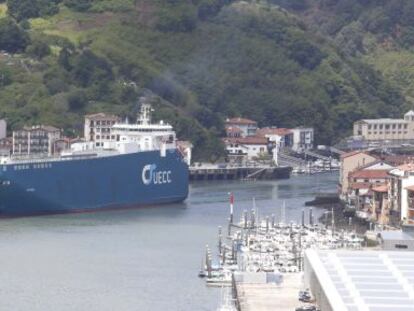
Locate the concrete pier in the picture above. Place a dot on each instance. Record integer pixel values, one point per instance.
(215, 172)
(271, 296)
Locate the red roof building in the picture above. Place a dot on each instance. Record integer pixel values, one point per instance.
(233, 131)
(247, 126)
(273, 131)
(369, 174)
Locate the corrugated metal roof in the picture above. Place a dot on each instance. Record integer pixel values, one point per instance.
(365, 280)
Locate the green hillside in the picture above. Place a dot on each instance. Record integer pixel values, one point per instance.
(201, 60)
(378, 32)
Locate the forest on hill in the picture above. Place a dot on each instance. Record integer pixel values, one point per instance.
(280, 62)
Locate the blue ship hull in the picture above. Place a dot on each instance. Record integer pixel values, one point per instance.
(119, 181)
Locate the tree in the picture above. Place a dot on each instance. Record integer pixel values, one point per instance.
(89, 68)
(23, 9)
(38, 49)
(77, 100)
(12, 38)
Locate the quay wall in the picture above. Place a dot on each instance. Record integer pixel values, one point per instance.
(239, 173)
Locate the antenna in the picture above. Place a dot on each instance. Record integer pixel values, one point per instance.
(144, 116)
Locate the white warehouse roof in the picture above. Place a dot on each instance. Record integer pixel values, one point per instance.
(365, 280)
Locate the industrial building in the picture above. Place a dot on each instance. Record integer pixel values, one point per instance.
(361, 280)
(386, 128)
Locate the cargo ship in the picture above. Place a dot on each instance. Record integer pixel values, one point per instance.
(142, 166)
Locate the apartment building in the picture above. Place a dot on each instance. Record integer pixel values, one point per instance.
(245, 126)
(38, 139)
(349, 163)
(98, 128)
(401, 192)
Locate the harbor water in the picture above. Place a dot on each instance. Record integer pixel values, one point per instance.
(140, 259)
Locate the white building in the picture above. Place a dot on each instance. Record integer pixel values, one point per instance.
(98, 128)
(3, 129)
(283, 136)
(246, 148)
(386, 128)
(401, 192)
(246, 126)
(39, 139)
(303, 138)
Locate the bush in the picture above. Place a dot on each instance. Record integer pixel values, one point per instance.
(77, 100)
(89, 68)
(38, 49)
(12, 38)
(25, 9)
(179, 19)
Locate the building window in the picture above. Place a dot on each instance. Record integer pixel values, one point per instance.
(369, 126)
(375, 126)
(380, 126)
(399, 126)
(387, 126)
(393, 126)
(401, 246)
(405, 126)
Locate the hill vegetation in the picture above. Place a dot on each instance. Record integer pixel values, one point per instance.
(200, 61)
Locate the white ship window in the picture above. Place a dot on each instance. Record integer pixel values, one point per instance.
(5, 183)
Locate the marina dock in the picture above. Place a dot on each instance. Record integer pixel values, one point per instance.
(262, 258)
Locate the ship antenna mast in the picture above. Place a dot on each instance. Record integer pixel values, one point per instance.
(144, 116)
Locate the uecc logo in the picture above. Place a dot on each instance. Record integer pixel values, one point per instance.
(150, 175)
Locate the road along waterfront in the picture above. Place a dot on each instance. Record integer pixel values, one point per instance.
(143, 259)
